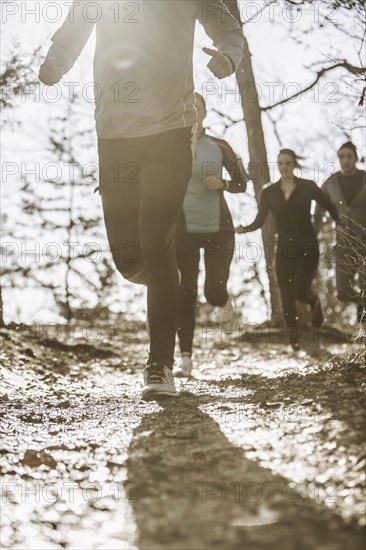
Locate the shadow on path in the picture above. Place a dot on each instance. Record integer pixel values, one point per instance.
(194, 490)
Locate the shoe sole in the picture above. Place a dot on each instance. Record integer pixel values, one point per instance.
(155, 395)
(154, 391)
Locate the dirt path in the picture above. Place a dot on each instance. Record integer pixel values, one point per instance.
(262, 450)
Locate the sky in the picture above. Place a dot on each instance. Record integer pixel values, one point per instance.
(279, 62)
(310, 125)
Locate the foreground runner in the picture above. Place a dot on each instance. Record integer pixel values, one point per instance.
(144, 118)
(297, 254)
(347, 189)
(205, 222)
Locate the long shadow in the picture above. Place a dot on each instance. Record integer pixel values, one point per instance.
(326, 392)
(191, 489)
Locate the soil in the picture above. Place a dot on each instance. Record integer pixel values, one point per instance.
(263, 448)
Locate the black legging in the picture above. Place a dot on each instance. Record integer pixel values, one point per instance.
(218, 253)
(296, 265)
(143, 183)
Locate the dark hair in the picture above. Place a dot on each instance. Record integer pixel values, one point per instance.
(202, 99)
(349, 145)
(293, 155)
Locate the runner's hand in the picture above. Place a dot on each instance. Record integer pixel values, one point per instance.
(50, 72)
(220, 65)
(213, 183)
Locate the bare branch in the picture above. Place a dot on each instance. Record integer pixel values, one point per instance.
(342, 64)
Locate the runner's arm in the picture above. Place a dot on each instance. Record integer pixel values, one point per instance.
(67, 44)
(260, 218)
(234, 166)
(319, 211)
(223, 29)
(323, 203)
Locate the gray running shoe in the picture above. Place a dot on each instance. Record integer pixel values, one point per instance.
(158, 382)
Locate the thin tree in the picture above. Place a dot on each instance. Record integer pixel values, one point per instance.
(258, 165)
(62, 208)
(15, 76)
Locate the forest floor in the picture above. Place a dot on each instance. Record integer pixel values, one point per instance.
(263, 448)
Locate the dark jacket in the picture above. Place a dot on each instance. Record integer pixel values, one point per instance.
(353, 215)
(293, 216)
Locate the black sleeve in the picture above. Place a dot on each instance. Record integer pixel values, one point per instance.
(261, 216)
(234, 166)
(324, 201)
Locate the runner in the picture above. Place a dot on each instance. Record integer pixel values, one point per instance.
(205, 222)
(297, 254)
(144, 118)
(347, 189)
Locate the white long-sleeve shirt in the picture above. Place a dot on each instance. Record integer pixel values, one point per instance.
(143, 64)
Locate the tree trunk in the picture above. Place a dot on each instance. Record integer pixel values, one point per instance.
(258, 166)
(1, 307)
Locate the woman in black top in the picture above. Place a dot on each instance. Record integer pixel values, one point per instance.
(297, 254)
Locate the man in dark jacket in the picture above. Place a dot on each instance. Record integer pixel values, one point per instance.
(145, 114)
(347, 190)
